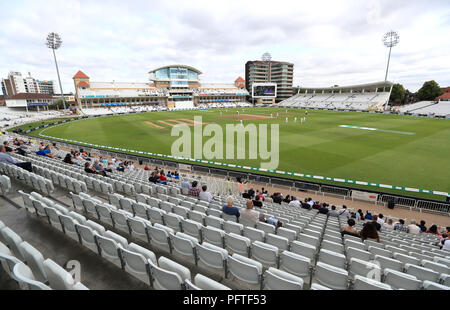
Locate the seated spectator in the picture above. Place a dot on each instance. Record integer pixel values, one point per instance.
(68, 159)
(353, 215)
(433, 230)
(98, 166)
(185, 184)
(294, 202)
(349, 229)
(7, 147)
(146, 168)
(230, 209)
(177, 176)
(316, 205)
(131, 166)
(260, 194)
(7, 159)
(153, 177)
(389, 224)
(323, 208)
(344, 212)
(251, 193)
(401, 226)
(257, 202)
(445, 242)
(287, 199)
(249, 214)
(413, 228)
(194, 190)
(204, 195)
(121, 167)
(374, 223)
(422, 226)
(88, 169)
(333, 212)
(369, 232)
(359, 215)
(368, 215)
(110, 167)
(162, 178)
(169, 174)
(271, 220)
(276, 198)
(306, 205)
(246, 195)
(380, 219)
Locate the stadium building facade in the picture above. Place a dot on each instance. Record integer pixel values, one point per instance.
(174, 86)
(279, 72)
(15, 84)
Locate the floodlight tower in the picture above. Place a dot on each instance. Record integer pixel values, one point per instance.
(390, 39)
(266, 57)
(54, 42)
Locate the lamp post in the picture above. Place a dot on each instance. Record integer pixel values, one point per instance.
(390, 39)
(54, 42)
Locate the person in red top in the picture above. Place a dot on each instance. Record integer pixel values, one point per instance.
(162, 178)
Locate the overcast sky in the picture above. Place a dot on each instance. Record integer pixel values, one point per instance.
(329, 42)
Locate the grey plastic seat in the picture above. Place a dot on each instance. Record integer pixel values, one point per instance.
(204, 283)
(110, 245)
(312, 240)
(296, 264)
(275, 279)
(156, 215)
(139, 228)
(267, 228)
(379, 251)
(358, 253)
(422, 273)
(214, 221)
(429, 285)
(332, 258)
(214, 236)
(304, 249)
(184, 244)
(265, 253)
(332, 246)
(406, 259)
(363, 268)
(169, 275)
(245, 269)
(386, 262)
(363, 283)
(212, 256)
(192, 228)
(12, 240)
(254, 234)
(87, 237)
(120, 220)
(58, 277)
(159, 235)
(331, 276)
(238, 244)
(35, 261)
(401, 280)
(233, 227)
(318, 287)
(7, 259)
(282, 243)
(173, 221)
(104, 214)
(290, 234)
(197, 216)
(24, 276)
(136, 262)
(440, 268)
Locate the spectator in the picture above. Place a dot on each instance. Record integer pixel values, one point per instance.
(316, 205)
(380, 219)
(413, 228)
(204, 195)
(323, 209)
(7, 147)
(257, 202)
(131, 166)
(68, 159)
(249, 214)
(433, 230)
(287, 199)
(176, 175)
(368, 215)
(194, 190)
(98, 166)
(146, 168)
(311, 202)
(7, 159)
(359, 215)
(369, 232)
(375, 223)
(333, 212)
(445, 242)
(246, 195)
(401, 226)
(295, 203)
(389, 225)
(344, 212)
(121, 167)
(230, 209)
(153, 177)
(88, 169)
(276, 197)
(110, 166)
(422, 226)
(185, 184)
(305, 204)
(162, 178)
(251, 193)
(349, 229)
(271, 220)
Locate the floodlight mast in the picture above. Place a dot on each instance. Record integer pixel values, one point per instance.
(54, 42)
(390, 39)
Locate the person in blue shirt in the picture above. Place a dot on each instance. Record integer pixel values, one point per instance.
(230, 209)
(368, 216)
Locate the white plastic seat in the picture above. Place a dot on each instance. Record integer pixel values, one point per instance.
(379, 251)
(331, 276)
(363, 268)
(213, 235)
(304, 249)
(104, 214)
(238, 244)
(332, 258)
(139, 228)
(156, 215)
(358, 253)
(265, 253)
(169, 275)
(136, 262)
(120, 220)
(35, 261)
(444, 279)
(353, 243)
(267, 228)
(89, 208)
(422, 273)
(386, 262)
(166, 206)
(173, 221)
(245, 269)
(363, 283)
(440, 268)
(87, 237)
(184, 244)
(58, 277)
(7, 259)
(181, 211)
(254, 234)
(53, 217)
(192, 228)
(429, 285)
(406, 259)
(440, 260)
(110, 245)
(204, 283)
(401, 280)
(159, 234)
(212, 256)
(12, 240)
(214, 221)
(24, 276)
(197, 216)
(332, 246)
(246, 222)
(290, 234)
(233, 227)
(312, 240)
(275, 279)
(296, 264)
(318, 287)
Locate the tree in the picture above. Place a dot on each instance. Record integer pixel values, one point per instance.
(397, 94)
(429, 91)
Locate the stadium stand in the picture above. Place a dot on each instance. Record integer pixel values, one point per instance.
(169, 240)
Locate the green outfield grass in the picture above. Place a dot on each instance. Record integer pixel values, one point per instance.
(319, 146)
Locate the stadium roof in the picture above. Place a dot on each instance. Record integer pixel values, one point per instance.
(358, 86)
(444, 96)
(83, 83)
(240, 79)
(177, 65)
